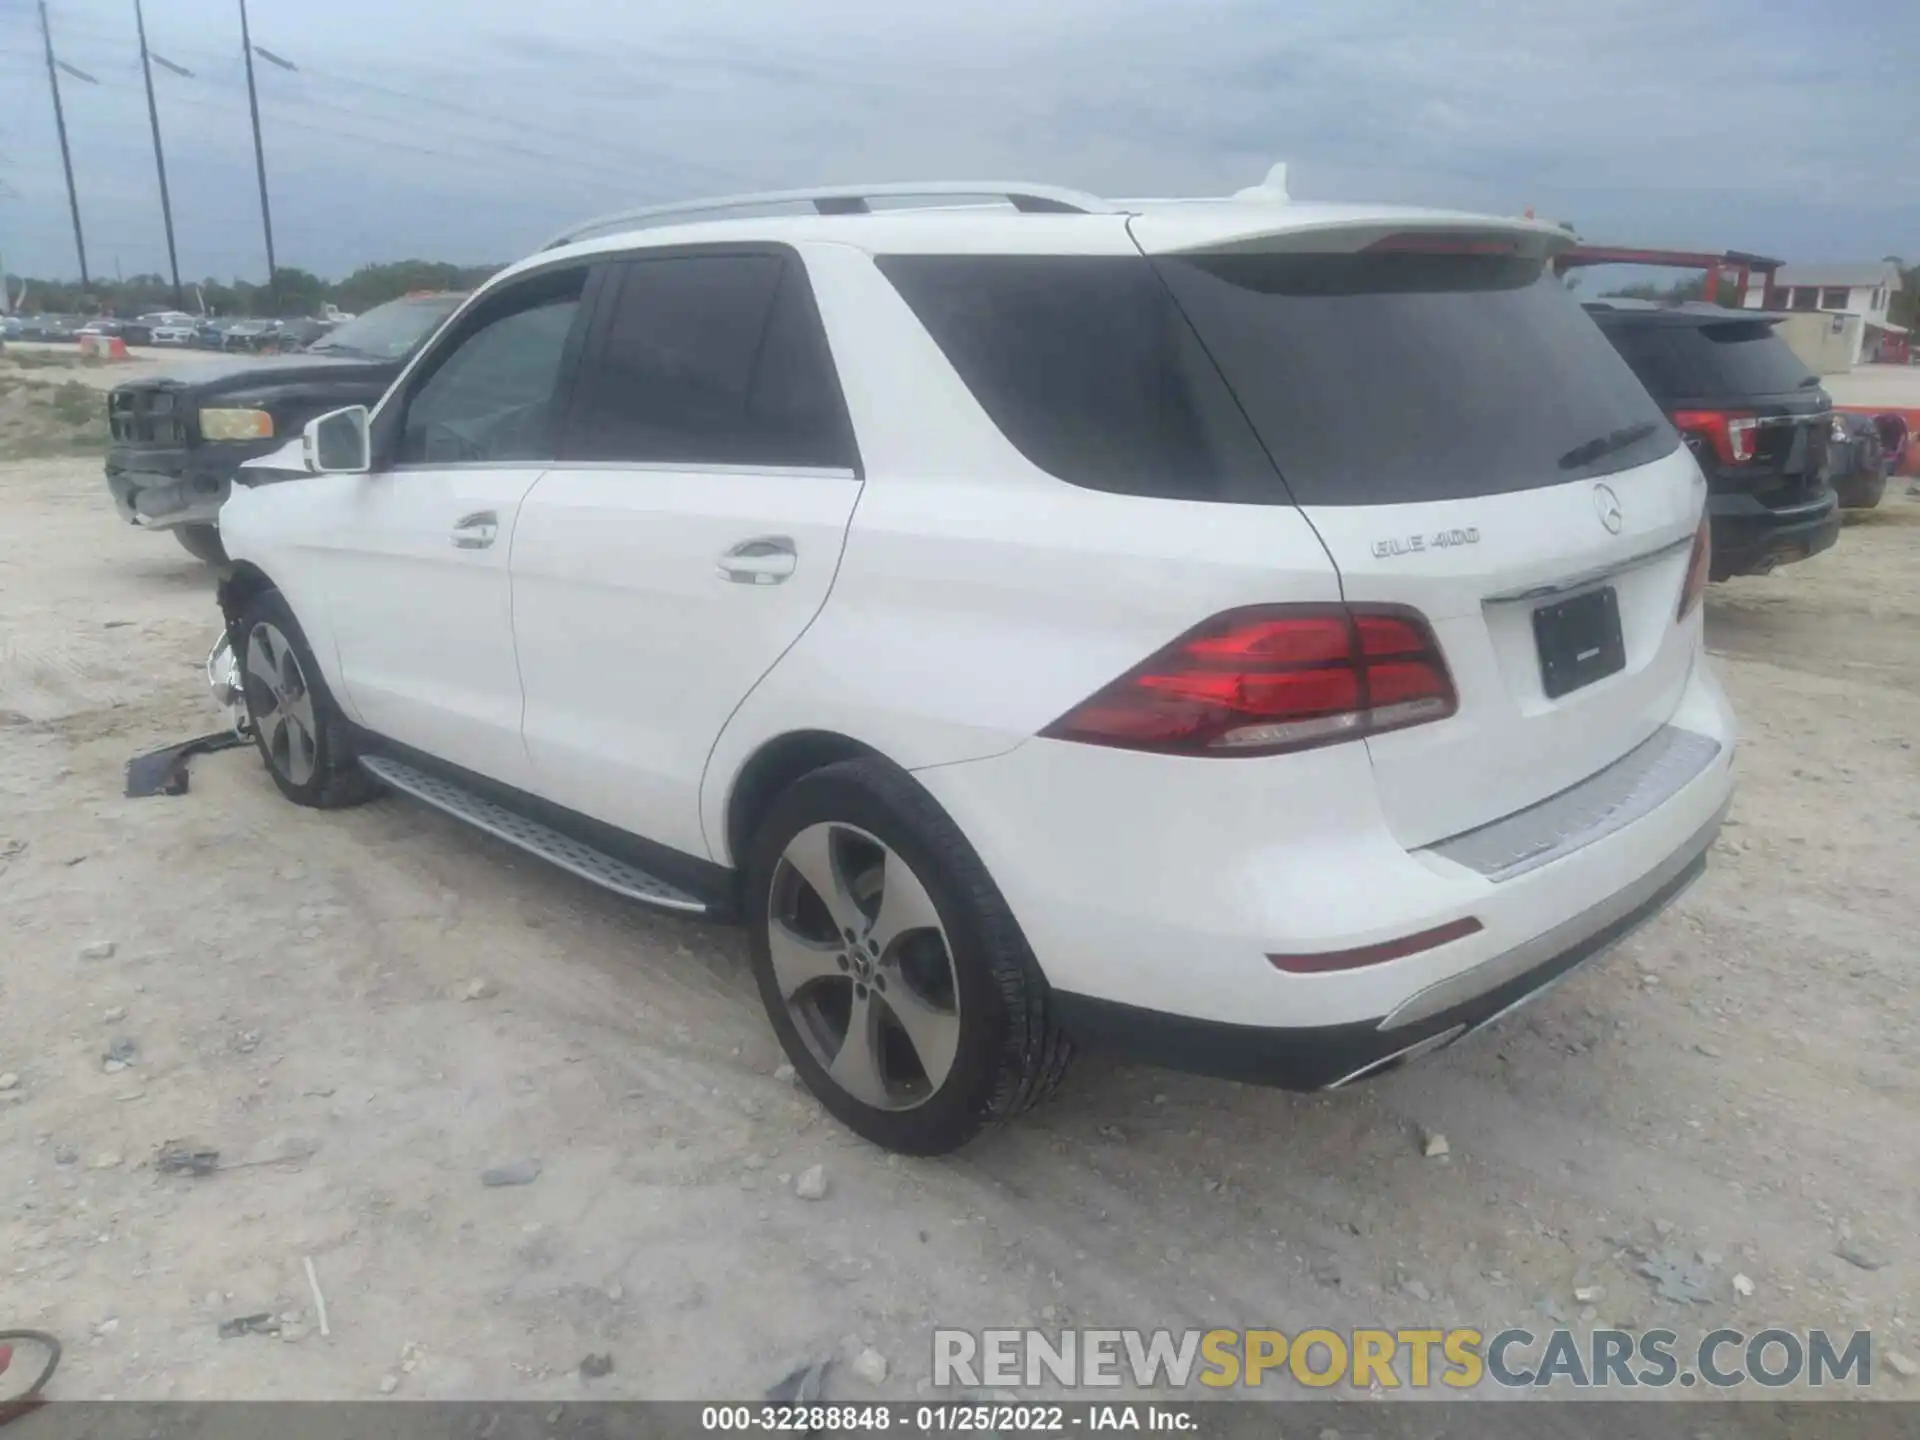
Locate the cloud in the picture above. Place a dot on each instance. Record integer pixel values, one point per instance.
(471, 128)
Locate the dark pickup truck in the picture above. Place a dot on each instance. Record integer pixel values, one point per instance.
(1757, 422)
(177, 439)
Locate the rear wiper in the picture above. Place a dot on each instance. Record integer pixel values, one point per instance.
(1603, 445)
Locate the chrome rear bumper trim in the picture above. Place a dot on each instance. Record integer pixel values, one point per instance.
(1628, 790)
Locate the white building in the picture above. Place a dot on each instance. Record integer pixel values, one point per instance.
(1865, 291)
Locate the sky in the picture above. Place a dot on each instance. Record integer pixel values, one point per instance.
(470, 130)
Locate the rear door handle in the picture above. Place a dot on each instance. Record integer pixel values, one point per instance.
(765, 561)
(476, 531)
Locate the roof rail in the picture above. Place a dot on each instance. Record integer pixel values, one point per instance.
(851, 200)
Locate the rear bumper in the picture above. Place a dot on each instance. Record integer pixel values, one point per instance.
(1327, 1056)
(1750, 539)
(1152, 891)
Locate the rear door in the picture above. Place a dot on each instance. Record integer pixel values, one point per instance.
(1465, 442)
(687, 535)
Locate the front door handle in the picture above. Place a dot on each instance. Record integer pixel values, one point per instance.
(765, 561)
(476, 531)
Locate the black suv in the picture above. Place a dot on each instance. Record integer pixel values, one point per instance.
(178, 438)
(1756, 421)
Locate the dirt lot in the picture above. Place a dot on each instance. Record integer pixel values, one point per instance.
(1733, 1092)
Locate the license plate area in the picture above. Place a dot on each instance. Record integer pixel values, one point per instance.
(1579, 641)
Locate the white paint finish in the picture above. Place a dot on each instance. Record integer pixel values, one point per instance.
(422, 630)
(634, 647)
(1509, 745)
(1165, 883)
(980, 598)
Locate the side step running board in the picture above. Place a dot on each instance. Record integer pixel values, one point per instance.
(530, 835)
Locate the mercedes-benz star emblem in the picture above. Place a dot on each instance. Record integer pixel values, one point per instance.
(1607, 505)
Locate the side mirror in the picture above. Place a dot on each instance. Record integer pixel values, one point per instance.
(338, 443)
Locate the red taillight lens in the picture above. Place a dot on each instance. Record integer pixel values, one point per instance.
(1699, 567)
(1730, 433)
(1272, 678)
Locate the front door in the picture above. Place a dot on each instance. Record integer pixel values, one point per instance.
(687, 535)
(421, 595)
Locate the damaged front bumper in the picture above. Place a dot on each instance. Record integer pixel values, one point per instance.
(223, 674)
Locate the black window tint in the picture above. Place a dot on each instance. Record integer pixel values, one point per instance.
(491, 396)
(1742, 357)
(1405, 376)
(712, 359)
(1086, 366)
(1650, 351)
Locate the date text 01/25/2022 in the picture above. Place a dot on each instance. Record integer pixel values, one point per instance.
(962, 1419)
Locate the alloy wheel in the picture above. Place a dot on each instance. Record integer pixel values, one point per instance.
(280, 703)
(864, 966)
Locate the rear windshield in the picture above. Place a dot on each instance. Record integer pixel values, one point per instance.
(1367, 379)
(1736, 357)
(1382, 378)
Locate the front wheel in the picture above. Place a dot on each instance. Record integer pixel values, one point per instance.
(299, 730)
(894, 974)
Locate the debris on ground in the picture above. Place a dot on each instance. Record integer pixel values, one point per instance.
(1901, 1365)
(593, 1367)
(871, 1366)
(1677, 1276)
(389, 1384)
(1434, 1145)
(1742, 1286)
(802, 1386)
(480, 990)
(97, 950)
(9, 1081)
(178, 1157)
(264, 1323)
(520, 1172)
(319, 1299)
(1863, 1256)
(811, 1183)
(164, 772)
(119, 1055)
(786, 1073)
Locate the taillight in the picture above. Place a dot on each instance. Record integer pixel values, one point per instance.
(1699, 566)
(1270, 678)
(1729, 432)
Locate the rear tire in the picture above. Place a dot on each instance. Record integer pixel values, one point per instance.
(202, 542)
(300, 733)
(909, 1002)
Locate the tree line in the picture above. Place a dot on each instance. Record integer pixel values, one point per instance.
(295, 292)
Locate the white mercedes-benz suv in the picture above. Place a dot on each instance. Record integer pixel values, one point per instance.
(1262, 638)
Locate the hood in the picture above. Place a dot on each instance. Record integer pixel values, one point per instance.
(271, 370)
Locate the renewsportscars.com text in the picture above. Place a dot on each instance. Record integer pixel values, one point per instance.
(1454, 1359)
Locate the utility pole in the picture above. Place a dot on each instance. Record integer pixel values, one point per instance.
(159, 156)
(259, 151)
(66, 155)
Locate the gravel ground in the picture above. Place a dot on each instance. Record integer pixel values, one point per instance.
(364, 1011)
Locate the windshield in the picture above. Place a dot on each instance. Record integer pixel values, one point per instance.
(390, 331)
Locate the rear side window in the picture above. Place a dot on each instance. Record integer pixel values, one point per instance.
(1383, 378)
(1088, 368)
(1730, 358)
(714, 360)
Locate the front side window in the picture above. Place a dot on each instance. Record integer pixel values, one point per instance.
(712, 360)
(491, 397)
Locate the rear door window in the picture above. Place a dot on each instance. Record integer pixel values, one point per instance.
(1392, 377)
(712, 360)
